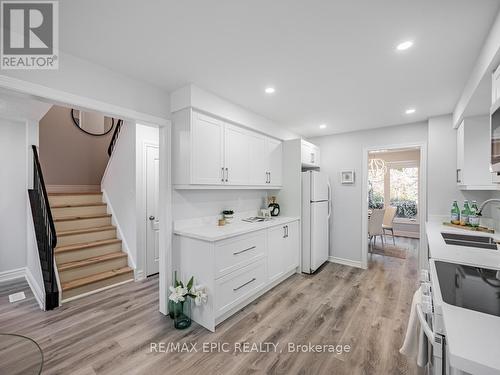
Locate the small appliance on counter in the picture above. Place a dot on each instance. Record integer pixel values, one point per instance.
(273, 206)
(228, 216)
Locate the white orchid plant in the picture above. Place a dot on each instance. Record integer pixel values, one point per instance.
(179, 292)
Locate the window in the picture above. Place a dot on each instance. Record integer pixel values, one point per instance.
(404, 191)
(375, 191)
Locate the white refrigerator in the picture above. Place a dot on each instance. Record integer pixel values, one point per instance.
(316, 212)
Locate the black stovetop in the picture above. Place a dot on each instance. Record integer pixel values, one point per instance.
(469, 287)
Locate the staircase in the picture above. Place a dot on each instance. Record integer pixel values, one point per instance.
(88, 254)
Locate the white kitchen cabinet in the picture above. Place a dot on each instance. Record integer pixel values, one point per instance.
(237, 269)
(210, 153)
(283, 255)
(237, 156)
(274, 161)
(207, 155)
(495, 86)
(310, 155)
(473, 154)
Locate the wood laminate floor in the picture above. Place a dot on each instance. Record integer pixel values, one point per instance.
(111, 332)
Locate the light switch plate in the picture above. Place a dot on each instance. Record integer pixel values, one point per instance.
(16, 297)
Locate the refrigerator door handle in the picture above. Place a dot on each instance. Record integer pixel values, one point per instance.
(329, 201)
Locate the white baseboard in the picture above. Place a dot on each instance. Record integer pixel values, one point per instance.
(37, 290)
(139, 275)
(25, 273)
(73, 188)
(16, 273)
(345, 262)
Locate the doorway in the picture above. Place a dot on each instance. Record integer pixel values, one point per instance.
(394, 186)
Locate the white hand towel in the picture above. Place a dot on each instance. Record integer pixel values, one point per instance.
(415, 345)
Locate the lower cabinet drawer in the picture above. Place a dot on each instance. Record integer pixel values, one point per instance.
(234, 288)
(236, 253)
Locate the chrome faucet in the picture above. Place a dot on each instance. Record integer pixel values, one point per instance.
(480, 210)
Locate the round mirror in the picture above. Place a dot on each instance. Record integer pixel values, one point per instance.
(92, 123)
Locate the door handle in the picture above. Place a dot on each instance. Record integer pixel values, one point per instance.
(151, 218)
(459, 179)
(227, 174)
(269, 177)
(222, 174)
(286, 231)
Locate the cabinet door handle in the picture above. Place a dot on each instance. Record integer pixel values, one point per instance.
(222, 174)
(286, 231)
(312, 157)
(269, 177)
(227, 174)
(242, 285)
(459, 179)
(242, 251)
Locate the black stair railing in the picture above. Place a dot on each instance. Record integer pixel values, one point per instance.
(114, 138)
(45, 233)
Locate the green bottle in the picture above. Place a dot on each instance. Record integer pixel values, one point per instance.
(455, 213)
(464, 217)
(474, 217)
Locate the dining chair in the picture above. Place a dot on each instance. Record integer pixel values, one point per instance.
(390, 214)
(375, 226)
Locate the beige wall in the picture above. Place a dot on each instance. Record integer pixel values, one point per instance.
(69, 156)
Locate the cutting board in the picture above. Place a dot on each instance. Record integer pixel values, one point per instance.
(477, 229)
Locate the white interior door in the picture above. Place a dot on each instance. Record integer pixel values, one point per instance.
(319, 234)
(152, 197)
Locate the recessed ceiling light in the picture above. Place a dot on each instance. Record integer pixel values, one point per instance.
(404, 45)
(270, 90)
(409, 111)
(322, 126)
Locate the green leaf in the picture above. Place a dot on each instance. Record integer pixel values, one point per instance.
(190, 283)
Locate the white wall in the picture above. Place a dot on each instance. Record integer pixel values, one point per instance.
(13, 197)
(441, 169)
(85, 79)
(119, 185)
(191, 204)
(193, 96)
(345, 152)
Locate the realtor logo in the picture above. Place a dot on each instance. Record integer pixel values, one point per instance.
(30, 35)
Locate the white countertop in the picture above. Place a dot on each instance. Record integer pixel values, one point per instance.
(471, 256)
(473, 338)
(211, 232)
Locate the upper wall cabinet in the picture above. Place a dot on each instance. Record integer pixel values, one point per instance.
(208, 152)
(310, 155)
(473, 155)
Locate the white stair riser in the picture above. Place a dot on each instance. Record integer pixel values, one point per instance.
(74, 255)
(82, 223)
(92, 269)
(97, 285)
(77, 211)
(86, 237)
(55, 200)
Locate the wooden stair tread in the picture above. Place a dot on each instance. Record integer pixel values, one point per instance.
(94, 278)
(77, 205)
(88, 261)
(75, 193)
(81, 217)
(86, 230)
(86, 245)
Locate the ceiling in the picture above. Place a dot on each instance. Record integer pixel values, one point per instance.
(331, 62)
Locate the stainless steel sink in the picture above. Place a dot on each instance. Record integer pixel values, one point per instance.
(483, 242)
